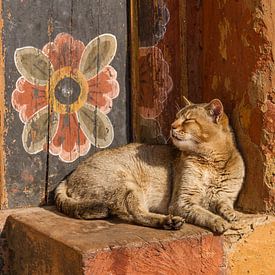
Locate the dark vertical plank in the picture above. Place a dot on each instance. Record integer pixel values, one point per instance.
(134, 53)
(3, 191)
(162, 67)
(25, 24)
(194, 43)
(92, 36)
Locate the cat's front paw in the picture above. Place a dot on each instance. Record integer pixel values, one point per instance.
(220, 225)
(231, 215)
(173, 222)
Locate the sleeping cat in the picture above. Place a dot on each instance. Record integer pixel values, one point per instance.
(196, 180)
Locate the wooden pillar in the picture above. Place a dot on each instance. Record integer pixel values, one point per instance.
(159, 75)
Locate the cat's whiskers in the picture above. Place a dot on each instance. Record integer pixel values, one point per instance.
(177, 106)
(166, 140)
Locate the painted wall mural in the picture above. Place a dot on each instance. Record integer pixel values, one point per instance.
(160, 67)
(64, 95)
(155, 81)
(155, 17)
(66, 92)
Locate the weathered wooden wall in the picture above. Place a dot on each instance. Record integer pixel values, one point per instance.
(62, 99)
(160, 68)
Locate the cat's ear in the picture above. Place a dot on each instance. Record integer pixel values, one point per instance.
(186, 101)
(215, 109)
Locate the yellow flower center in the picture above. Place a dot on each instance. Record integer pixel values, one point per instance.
(67, 90)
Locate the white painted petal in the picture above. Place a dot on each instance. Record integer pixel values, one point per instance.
(33, 65)
(98, 53)
(35, 132)
(96, 126)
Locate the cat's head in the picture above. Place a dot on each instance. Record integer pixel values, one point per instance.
(198, 125)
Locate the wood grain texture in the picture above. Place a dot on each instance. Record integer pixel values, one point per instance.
(161, 70)
(24, 174)
(3, 192)
(86, 20)
(45, 106)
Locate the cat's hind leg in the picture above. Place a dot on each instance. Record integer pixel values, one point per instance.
(139, 213)
(91, 210)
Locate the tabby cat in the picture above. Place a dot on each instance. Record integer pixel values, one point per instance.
(196, 180)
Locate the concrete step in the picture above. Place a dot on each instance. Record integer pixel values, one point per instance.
(42, 241)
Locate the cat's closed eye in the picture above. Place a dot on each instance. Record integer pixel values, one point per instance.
(189, 120)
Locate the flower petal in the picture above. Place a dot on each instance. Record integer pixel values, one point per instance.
(69, 142)
(98, 54)
(96, 126)
(156, 86)
(102, 102)
(35, 132)
(64, 51)
(103, 88)
(27, 98)
(33, 64)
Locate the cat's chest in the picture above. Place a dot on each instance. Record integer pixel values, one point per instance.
(214, 184)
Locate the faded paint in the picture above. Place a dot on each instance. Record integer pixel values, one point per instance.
(224, 29)
(37, 30)
(3, 192)
(221, 3)
(238, 67)
(215, 82)
(244, 40)
(162, 68)
(227, 83)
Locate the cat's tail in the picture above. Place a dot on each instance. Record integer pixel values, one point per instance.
(63, 202)
(80, 209)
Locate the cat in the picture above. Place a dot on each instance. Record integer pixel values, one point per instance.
(197, 179)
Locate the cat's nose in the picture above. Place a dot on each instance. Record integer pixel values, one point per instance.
(174, 125)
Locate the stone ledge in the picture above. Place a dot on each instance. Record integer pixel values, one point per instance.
(252, 253)
(42, 241)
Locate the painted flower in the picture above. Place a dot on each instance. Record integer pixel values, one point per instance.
(64, 93)
(155, 17)
(155, 82)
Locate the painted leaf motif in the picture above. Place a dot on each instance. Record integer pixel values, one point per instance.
(96, 126)
(35, 132)
(98, 54)
(33, 65)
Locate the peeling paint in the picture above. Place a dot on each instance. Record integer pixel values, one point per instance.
(221, 3)
(244, 40)
(3, 192)
(224, 28)
(244, 117)
(242, 33)
(227, 83)
(215, 82)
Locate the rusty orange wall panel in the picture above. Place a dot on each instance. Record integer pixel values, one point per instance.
(238, 67)
(65, 91)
